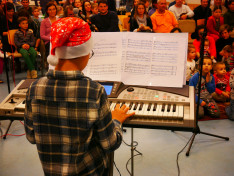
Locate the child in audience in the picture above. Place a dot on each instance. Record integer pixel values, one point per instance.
(94, 8)
(222, 90)
(36, 23)
(228, 57)
(230, 109)
(190, 63)
(206, 102)
(207, 48)
(214, 22)
(25, 41)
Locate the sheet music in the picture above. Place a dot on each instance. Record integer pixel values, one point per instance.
(150, 59)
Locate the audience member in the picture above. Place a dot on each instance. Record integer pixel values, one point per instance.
(146, 3)
(78, 4)
(25, 42)
(45, 28)
(86, 9)
(135, 2)
(141, 22)
(1, 59)
(224, 39)
(214, 22)
(230, 109)
(198, 34)
(95, 9)
(229, 15)
(67, 3)
(43, 6)
(37, 23)
(190, 66)
(228, 57)
(207, 104)
(68, 11)
(163, 20)
(105, 21)
(222, 88)
(207, 48)
(219, 3)
(174, 2)
(181, 11)
(78, 140)
(26, 7)
(129, 5)
(200, 11)
(154, 7)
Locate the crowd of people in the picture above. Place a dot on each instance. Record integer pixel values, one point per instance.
(34, 25)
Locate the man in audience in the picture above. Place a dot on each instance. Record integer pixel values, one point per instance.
(229, 15)
(105, 21)
(219, 3)
(163, 20)
(200, 11)
(181, 11)
(25, 4)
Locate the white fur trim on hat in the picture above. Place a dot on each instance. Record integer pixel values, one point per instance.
(71, 52)
(52, 60)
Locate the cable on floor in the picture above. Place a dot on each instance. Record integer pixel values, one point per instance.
(12, 134)
(177, 158)
(117, 168)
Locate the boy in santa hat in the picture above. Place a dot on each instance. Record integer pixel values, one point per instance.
(67, 114)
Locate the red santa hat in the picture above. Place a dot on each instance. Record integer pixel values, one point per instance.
(70, 38)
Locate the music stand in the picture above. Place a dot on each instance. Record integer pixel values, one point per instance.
(196, 130)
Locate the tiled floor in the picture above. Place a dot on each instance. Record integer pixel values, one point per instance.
(209, 156)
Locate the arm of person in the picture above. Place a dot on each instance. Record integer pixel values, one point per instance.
(217, 90)
(228, 88)
(190, 13)
(32, 40)
(18, 44)
(212, 46)
(154, 24)
(231, 80)
(43, 31)
(211, 84)
(28, 120)
(211, 27)
(193, 82)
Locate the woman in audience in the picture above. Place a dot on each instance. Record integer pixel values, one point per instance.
(86, 7)
(77, 8)
(214, 22)
(141, 22)
(135, 2)
(45, 28)
(197, 42)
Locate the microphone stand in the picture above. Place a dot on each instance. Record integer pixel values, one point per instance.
(196, 130)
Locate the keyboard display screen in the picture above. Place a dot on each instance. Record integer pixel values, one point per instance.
(108, 89)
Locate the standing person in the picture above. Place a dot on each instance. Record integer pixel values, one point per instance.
(214, 22)
(67, 115)
(26, 7)
(25, 42)
(45, 28)
(206, 103)
(163, 20)
(141, 22)
(181, 11)
(105, 21)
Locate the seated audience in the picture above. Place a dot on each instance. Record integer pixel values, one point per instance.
(105, 21)
(222, 88)
(86, 9)
(163, 20)
(224, 39)
(95, 9)
(219, 3)
(214, 22)
(229, 15)
(207, 104)
(174, 2)
(25, 42)
(146, 3)
(77, 4)
(200, 11)
(36, 21)
(67, 3)
(207, 48)
(228, 57)
(135, 2)
(26, 7)
(181, 11)
(230, 109)
(68, 11)
(190, 66)
(154, 7)
(141, 22)
(45, 28)
(197, 42)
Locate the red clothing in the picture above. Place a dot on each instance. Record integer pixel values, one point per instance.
(211, 23)
(212, 46)
(222, 84)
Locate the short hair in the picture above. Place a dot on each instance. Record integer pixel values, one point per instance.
(94, 5)
(20, 19)
(70, 7)
(224, 27)
(206, 57)
(207, 40)
(136, 12)
(216, 8)
(228, 48)
(215, 68)
(175, 29)
(35, 8)
(103, 2)
(190, 47)
(23, 13)
(8, 6)
(49, 4)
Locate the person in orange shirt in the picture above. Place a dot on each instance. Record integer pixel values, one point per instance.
(163, 20)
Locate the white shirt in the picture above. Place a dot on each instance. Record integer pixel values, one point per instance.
(179, 10)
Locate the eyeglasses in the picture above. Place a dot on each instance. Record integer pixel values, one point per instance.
(91, 54)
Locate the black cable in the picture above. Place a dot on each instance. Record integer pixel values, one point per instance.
(117, 168)
(177, 158)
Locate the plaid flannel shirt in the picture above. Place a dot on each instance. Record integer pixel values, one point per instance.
(67, 115)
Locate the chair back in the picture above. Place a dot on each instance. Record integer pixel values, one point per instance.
(187, 25)
(200, 22)
(11, 35)
(126, 24)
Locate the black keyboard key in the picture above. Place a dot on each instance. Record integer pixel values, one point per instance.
(135, 107)
(174, 108)
(168, 107)
(149, 107)
(155, 107)
(141, 106)
(163, 107)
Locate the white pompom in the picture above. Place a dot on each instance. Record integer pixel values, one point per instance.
(52, 60)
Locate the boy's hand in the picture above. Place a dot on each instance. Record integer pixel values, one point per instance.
(208, 77)
(226, 94)
(203, 103)
(120, 114)
(24, 46)
(27, 46)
